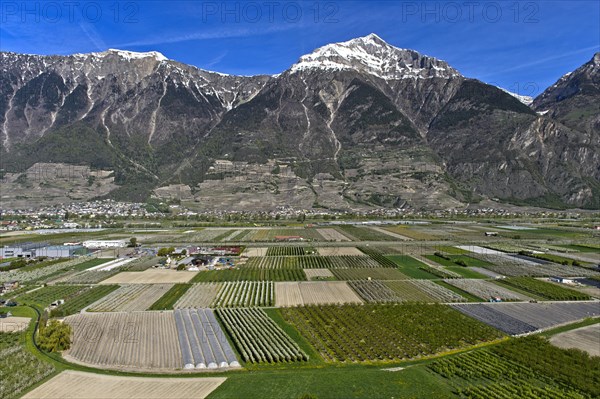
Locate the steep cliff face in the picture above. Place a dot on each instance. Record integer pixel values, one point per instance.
(358, 123)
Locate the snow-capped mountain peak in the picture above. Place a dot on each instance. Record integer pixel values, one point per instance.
(371, 54)
(128, 55)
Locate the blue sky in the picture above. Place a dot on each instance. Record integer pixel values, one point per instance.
(523, 46)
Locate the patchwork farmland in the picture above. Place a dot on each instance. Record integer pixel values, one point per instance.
(308, 312)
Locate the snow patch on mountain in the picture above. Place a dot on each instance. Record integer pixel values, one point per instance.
(527, 100)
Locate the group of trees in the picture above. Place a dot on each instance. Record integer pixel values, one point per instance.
(54, 336)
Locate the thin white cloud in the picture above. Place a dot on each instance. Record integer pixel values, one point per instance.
(217, 59)
(544, 60)
(93, 35)
(220, 34)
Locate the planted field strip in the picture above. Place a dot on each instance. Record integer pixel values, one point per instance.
(233, 235)
(378, 257)
(167, 301)
(313, 274)
(512, 266)
(374, 291)
(545, 290)
(112, 264)
(46, 295)
(140, 340)
(272, 234)
(288, 251)
(486, 290)
(42, 273)
(245, 294)
(385, 332)
(258, 338)
(143, 263)
(434, 292)
(485, 272)
(151, 276)
(199, 296)
(72, 384)
(87, 277)
(255, 251)
(415, 233)
(202, 341)
(522, 318)
(288, 294)
(375, 273)
(314, 293)
(131, 298)
(83, 299)
(311, 262)
(246, 273)
(405, 290)
(332, 235)
(339, 251)
(205, 235)
(391, 233)
(364, 234)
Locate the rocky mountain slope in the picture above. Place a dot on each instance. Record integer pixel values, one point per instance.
(353, 124)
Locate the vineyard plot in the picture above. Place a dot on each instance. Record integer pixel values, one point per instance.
(484, 374)
(202, 341)
(131, 298)
(386, 332)
(258, 338)
(314, 292)
(140, 340)
(404, 290)
(486, 290)
(199, 295)
(245, 294)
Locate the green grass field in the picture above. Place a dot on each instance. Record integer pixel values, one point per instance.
(410, 267)
(167, 301)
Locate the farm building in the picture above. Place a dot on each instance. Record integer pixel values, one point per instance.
(21, 251)
(97, 244)
(562, 280)
(61, 251)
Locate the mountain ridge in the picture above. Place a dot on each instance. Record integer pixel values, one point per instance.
(340, 118)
